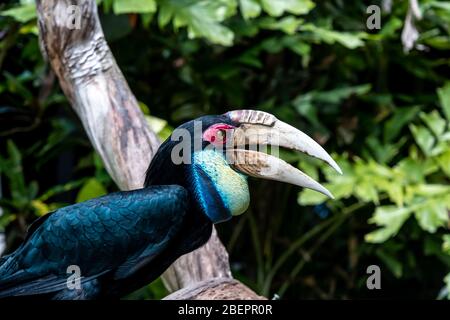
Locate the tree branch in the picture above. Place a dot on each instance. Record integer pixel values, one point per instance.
(97, 90)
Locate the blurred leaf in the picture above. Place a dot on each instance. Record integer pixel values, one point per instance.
(367, 191)
(339, 94)
(91, 189)
(160, 127)
(156, 124)
(278, 7)
(306, 103)
(16, 84)
(23, 13)
(153, 291)
(12, 168)
(342, 188)
(58, 189)
(5, 220)
(447, 284)
(431, 190)
(134, 6)
(423, 137)
(391, 27)
(434, 122)
(348, 40)
(446, 243)
(202, 18)
(394, 265)
(400, 118)
(40, 207)
(299, 47)
(158, 289)
(250, 8)
(287, 24)
(438, 4)
(391, 219)
(444, 98)
(432, 216)
(309, 169)
(310, 197)
(444, 162)
(144, 108)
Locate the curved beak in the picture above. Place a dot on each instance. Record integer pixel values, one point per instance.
(258, 128)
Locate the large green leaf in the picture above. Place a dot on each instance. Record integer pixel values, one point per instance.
(424, 138)
(202, 18)
(390, 219)
(432, 215)
(23, 13)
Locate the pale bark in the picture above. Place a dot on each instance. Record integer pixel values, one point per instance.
(98, 92)
(410, 34)
(215, 289)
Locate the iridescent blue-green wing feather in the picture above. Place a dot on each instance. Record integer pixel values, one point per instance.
(109, 234)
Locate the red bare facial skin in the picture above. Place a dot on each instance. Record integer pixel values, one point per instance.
(217, 133)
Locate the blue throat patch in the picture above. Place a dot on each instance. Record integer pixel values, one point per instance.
(221, 191)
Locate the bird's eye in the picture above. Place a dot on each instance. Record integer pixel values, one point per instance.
(220, 134)
(217, 133)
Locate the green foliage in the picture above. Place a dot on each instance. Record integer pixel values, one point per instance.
(23, 13)
(154, 290)
(415, 186)
(25, 201)
(383, 113)
(348, 40)
(92, 188)
(202, 18)
(134, 6)
(403, 184)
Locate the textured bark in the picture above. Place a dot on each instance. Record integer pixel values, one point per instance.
(210, 261)
(97, 90)
(215, 289)
(99, 93)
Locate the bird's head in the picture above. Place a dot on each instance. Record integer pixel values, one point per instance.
(212, 157)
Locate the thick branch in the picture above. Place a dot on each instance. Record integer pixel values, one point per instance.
(99, 93)
(215, 289)
(97, 90)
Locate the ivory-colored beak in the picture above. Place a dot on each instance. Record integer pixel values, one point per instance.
(258, 128)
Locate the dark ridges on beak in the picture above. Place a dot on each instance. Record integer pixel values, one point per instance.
(265, 128)
(262, 128)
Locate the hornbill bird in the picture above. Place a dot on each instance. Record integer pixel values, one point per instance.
(123, 241)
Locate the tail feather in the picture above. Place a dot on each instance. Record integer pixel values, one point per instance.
(8, 267)
(14, 289)
(20, 284)
(16, 282)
